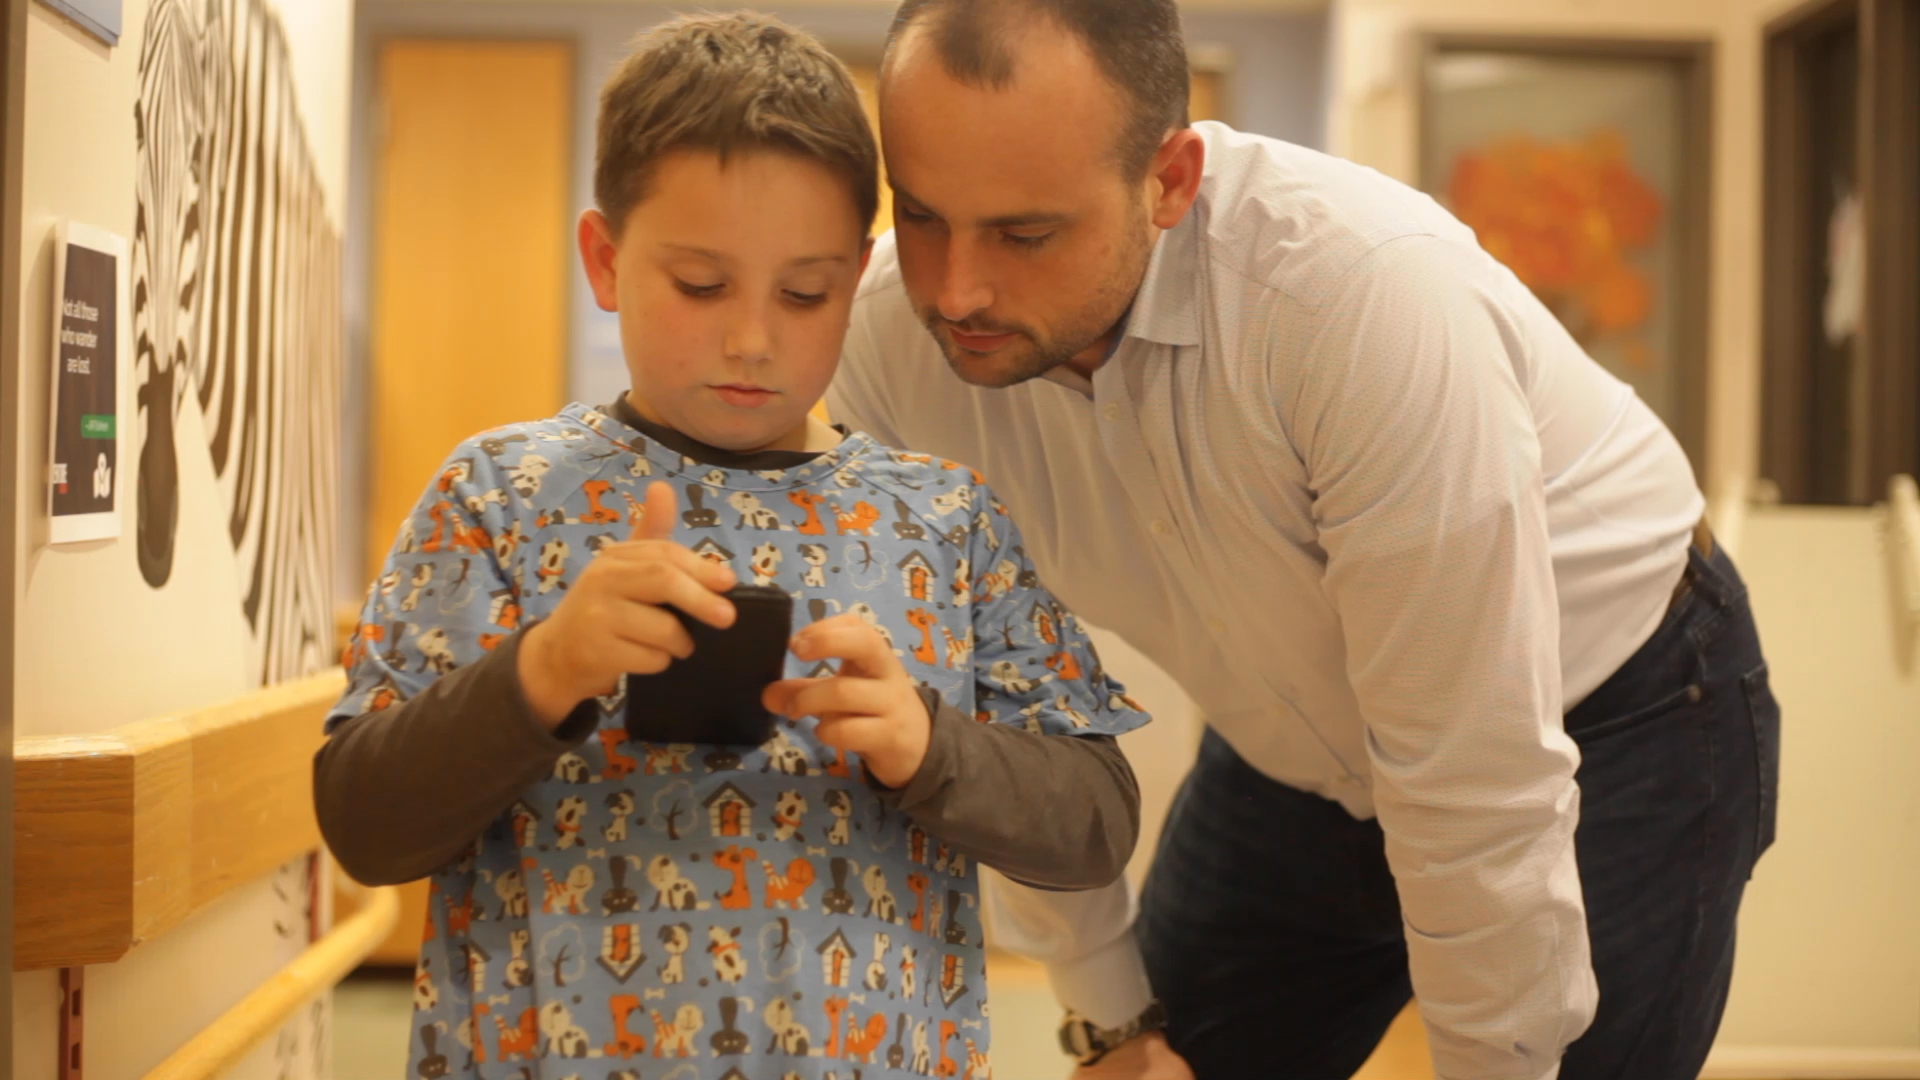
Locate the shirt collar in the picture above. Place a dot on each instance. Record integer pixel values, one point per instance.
(1166, 310)
(623, 411)
(1062, 375)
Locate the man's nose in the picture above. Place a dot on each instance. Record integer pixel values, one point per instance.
(964, 290)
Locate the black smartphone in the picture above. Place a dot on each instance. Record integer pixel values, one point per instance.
(713, 696)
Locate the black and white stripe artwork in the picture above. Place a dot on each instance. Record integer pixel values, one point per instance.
(236, 287)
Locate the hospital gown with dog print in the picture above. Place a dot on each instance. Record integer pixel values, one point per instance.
(705, 912)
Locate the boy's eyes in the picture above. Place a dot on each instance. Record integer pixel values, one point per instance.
(1027, 241)
(709, 292)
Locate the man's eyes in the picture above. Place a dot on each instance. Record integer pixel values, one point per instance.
(1024, 241)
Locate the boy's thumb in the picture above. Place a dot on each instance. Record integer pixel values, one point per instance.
(656, 514)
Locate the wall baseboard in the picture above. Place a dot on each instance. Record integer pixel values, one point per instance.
(1813, 1063)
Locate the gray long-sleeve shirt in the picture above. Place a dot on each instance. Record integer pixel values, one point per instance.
(403, 790)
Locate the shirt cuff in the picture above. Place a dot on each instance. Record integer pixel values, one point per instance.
(503, 674)
(1107, 986)
(1550, 1074)
(936, 767)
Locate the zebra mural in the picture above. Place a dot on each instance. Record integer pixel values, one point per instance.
(236, 309)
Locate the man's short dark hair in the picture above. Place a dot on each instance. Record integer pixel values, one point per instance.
(1136, 43)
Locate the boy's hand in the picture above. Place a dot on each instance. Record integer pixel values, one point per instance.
(612, 620)
(871, 707)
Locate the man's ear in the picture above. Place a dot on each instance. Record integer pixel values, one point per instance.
(599, 253)
(1175, 172)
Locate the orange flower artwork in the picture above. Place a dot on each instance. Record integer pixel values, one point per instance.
(1567, 218)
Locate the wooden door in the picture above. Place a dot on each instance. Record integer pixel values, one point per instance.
(472, 239)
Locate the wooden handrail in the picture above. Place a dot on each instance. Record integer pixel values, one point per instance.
(223, 1043)
(122, 835)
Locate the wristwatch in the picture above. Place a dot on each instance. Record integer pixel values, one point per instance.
(1087, 1042)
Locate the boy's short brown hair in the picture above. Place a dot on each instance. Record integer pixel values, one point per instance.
(729, 83)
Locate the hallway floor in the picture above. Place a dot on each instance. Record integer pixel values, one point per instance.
(371, 1010)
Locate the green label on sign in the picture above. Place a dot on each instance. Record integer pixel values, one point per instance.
(96, 427)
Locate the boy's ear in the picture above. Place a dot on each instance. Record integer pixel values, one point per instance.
(599, 254)
(866, 253)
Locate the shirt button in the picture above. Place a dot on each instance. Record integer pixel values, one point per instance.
(1160, 527)
(1112, 412)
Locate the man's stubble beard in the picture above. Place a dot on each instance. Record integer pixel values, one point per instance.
(1033, 356)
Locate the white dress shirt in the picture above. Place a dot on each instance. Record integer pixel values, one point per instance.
(1354, 487)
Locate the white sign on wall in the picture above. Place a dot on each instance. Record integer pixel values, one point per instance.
(101, 18)
(83, 485)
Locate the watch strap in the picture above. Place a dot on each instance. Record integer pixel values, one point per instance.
(1088, 1043)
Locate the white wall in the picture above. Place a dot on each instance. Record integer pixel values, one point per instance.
(95, 646)
(1830, 931)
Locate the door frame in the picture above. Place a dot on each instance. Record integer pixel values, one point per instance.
(1888, 167)
(13, 47)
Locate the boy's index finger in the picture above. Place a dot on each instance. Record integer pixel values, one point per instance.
(847, 638)
(656, 514)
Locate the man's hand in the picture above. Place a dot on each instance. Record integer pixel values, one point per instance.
(1143, 1057)
(871, 706)
(613, 619)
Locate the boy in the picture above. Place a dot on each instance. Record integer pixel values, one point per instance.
(804, 909)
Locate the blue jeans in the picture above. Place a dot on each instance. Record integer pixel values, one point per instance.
(1272, 930)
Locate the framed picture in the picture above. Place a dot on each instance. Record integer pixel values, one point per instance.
(1584, 166)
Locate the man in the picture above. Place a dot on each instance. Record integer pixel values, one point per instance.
(1488, 719)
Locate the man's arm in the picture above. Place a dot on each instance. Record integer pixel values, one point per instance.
(1084, 938)
(1411, 413)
